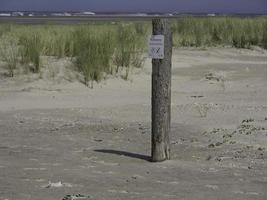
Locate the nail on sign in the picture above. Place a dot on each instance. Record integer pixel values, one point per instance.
(156, 46)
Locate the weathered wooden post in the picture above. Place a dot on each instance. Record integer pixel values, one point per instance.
(161, 94)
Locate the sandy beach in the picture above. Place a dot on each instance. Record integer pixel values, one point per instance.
(59, 137)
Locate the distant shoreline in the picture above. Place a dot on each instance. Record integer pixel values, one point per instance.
(82, 13)
(96, 17)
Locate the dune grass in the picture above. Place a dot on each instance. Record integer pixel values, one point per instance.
(101, 48)
(93, 53)
(9, 52)
(31, 50)
(219, 31)
(126, 45)
(264, 36)
(94, 48)
(5, 28)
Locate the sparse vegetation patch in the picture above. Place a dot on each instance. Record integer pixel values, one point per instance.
(99, 49)
(9, 52)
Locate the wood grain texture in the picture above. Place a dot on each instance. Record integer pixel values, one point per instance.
(161, 94)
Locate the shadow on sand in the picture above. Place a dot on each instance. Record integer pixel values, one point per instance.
(124, 153)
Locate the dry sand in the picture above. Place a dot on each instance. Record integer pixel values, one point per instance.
(59, 137)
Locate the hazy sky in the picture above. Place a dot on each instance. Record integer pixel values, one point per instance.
(210, 6)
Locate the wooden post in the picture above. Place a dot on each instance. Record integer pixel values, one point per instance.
(161, 94)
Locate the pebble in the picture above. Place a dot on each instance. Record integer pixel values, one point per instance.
(209, 157)
(211, 146)
(218, 144)
(76, 197)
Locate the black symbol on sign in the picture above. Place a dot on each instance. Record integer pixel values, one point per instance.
(155, 50)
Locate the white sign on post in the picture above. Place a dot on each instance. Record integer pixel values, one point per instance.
(156, 46)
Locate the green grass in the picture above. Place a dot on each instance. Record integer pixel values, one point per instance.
(264, 36)
(5, 28)
(9, 52)
(31, 49)
(102, 48)
(130, 45)
(125, 41)
(219, 31)
(93, 53)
